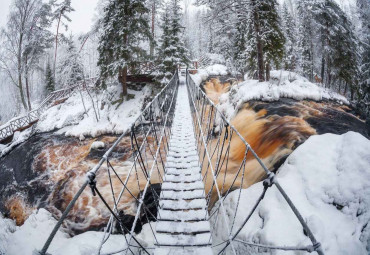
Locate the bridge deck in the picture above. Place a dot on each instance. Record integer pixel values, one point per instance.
(183, 226)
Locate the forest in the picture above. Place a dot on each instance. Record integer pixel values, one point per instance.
(326, 41)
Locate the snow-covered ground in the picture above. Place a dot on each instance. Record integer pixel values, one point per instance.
(283, 84)
(328, 179)
(34, 232)
(72, 120)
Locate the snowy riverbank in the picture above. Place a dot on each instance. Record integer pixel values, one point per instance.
(328, 179)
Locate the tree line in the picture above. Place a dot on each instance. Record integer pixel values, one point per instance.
(314, 38)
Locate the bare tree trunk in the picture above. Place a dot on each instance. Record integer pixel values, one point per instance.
(20, 85)
(56, 43)
(261, 70)
(122, 78)
(267, 71)
(153, 27)
(27, 85)
(323, 69)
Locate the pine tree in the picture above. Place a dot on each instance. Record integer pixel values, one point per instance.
(305, 39)
(71, 70)
(364, 16)
(267, 35)
(338, 45)
(181, 53)
(272, 35)
(240, 40)
(124, 25)
(291, 54)
(165, 64)
(49, 79)
(172, 51)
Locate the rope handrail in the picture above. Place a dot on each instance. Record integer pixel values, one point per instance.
(216, 137)
(162, 108)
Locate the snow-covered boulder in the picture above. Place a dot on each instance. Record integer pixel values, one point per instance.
(202, 74)
(328, 179)
(97, 145)
(217, 69)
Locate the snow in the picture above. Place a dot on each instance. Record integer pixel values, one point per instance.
(18, 138)
(200, 76)
(35, 231)
(97, 145)
(283, 84)
(328, 179)
(72, 120)
(217, 69)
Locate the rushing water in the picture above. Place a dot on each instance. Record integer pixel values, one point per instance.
(48, 169)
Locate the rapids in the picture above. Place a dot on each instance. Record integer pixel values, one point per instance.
(46, 170)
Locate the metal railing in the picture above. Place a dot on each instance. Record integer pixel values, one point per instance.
(32, 116)
(225, 158)
(135, 185)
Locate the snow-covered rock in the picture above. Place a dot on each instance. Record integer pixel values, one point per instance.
(328, 179)
(217, 69)
(283, 84)
(202, 74)
(18, 138)
(97, 145)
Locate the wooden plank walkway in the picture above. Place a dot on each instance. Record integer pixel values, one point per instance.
(183, 226)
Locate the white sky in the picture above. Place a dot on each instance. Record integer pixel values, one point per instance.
(81, 17)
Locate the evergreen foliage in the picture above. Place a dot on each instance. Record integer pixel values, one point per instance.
(71, 70)
(339, 44)
(49, 79)
(124, 27)
(305, 39)
(172, 51)
(290, 32)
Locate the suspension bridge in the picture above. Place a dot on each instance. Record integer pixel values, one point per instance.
(182, 142)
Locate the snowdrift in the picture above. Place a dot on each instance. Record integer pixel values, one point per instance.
(328, 179)
(283, 84)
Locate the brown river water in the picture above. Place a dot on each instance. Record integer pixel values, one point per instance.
(48, 169)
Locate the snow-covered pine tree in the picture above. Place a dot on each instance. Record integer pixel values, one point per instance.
(125, 26)
(339, 59)
(172, 51)
(165, 64)
(49, 79)
(363, 7)
(272, 36)
(71, 70)
(305, 39)
(181, 53)
(267, 35)
(240, 40)
(289, 27)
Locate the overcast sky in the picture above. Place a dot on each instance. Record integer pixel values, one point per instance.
(81, 17)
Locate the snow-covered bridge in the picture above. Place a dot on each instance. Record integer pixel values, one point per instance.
(181, 172)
